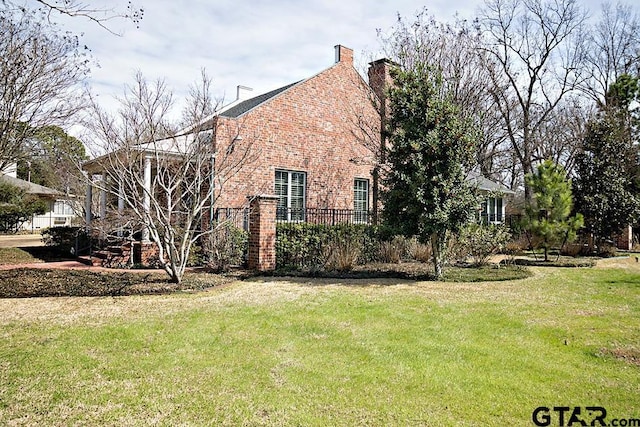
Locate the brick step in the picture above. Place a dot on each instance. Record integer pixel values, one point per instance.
(102, 254)
(90, 261)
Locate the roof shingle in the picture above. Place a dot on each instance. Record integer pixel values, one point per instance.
(243, 107)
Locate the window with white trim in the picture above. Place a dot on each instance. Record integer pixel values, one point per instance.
(291, 191)
(360, 199)
(492, 210)
(62, 207)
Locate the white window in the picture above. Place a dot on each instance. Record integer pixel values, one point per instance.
(62, 207)
(492, 210)
(360, 200)
(291, 190)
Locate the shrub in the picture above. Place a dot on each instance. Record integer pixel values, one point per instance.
(305, 246)
(390, 252)
(420, 251)
(66, 240)
(573, 249)
(480, 242)
(342, 254)
(225, 247)
(17, 207)
(607, 250)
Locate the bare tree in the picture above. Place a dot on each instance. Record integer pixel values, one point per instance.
(535, 57)
(614, 50)
(41, 71)
(454, 50)
(166, 181)
(74, 8)
(558, 138)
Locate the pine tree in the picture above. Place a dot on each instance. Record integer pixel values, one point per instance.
(426, 194)
(548, 216)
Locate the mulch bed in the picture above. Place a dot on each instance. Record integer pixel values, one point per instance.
(24, 283)
(556, 262)
(417, 271)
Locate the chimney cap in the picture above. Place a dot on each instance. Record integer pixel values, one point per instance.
(241, 92)
(383, 61)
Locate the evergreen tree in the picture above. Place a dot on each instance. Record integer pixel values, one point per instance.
(426, 194)
(16, 207)
(52, 158)
(548, 216)
(608, 182)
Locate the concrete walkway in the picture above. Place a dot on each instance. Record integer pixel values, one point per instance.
(20, 240)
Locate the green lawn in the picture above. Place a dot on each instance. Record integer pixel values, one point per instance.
(328, 352)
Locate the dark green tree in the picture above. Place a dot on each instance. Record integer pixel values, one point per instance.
(54, 160)
(548, 216)
(432, 148)
(607, 181)
(16, 207)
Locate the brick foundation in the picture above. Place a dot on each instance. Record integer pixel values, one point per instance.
(145, 254)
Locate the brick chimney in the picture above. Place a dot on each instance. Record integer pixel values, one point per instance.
(344, 54)
(380, 79)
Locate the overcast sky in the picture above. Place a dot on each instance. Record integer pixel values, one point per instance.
(263, 44)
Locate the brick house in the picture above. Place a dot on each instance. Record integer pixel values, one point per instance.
(309, 145)
(310, 142)
(313, 143)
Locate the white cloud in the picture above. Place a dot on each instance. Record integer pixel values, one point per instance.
(263, 44)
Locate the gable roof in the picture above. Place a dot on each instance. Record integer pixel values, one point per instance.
(485, 184)
(30, 187)
(249, 104)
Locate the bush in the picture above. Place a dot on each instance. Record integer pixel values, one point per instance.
(607, 250)
(67, 240)
(225, 247)
(17, 207)
(419, 251)
(342, 254)
(306, 246)
(392, 252)
(573, 249)
(480, 242)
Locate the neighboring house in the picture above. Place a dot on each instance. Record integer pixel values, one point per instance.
(313, 144)
(59, 212)
(493, 207)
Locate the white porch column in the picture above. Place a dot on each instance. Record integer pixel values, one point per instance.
(87, 202)
(120, 204)
(103, 196)
(120, 197)
(146, 201)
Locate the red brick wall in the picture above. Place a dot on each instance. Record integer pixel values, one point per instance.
(312, 127)
(262, 234)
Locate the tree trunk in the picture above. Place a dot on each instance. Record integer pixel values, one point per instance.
(437, 249)
(376, 194)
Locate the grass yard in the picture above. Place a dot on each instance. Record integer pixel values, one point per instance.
(27, 255)
(329, 352)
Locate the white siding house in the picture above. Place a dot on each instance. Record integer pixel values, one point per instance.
(60, 209)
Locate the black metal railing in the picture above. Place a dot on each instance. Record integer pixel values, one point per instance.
(323, 216)
(239, 217)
